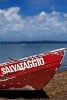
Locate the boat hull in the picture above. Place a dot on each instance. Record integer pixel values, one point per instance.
(31, 78)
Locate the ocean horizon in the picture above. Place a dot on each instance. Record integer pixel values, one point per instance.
(31, 42)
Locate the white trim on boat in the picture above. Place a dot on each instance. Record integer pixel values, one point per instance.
(58, 50)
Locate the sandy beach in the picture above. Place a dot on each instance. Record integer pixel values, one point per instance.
(56, 89)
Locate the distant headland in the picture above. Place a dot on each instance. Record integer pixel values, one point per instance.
(30, 42)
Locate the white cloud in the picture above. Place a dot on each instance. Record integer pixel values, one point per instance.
(14, 26)
(43, 14)
(65, 15)
(10, 20)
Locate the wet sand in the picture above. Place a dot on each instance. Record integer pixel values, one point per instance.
(56, 89)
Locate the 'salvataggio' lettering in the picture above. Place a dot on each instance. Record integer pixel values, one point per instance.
(23, 65)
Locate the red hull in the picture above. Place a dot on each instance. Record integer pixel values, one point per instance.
(31, 73)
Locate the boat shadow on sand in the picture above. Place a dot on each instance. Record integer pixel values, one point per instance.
(23, 94)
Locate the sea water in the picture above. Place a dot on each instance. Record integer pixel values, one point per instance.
(17, 51)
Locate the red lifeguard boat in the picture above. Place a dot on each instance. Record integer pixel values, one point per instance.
(30, 73)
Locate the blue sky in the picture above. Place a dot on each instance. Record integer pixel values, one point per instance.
(33, 20)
